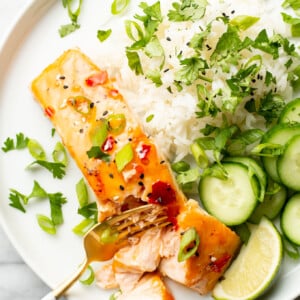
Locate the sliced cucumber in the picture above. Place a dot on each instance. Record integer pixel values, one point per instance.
(288, 165)
(271, 206)
(279, 134)
(231, 200)
(254, 167)
(291, 112)
(290, 219)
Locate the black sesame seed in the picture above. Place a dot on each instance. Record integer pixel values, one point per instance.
(168, 39)
(162, 162)
(166, 70)
(62, 77)
(92, 104)
(111, 175)
(140, 183)
(81, 130)
(122, 188)
(142, 176)
(65, 86)
(105, 113)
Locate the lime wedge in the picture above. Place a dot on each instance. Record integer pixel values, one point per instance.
(257, 264)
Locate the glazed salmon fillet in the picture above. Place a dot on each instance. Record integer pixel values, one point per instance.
(125, 169)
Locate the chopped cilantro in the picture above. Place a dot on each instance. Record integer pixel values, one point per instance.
(57, 169)
(294, 4)
(96, 152)
(67, 29)
(134, 62)
(20, 142)
(56, 201)
(16, 200)
(89, 211)
(187, 10)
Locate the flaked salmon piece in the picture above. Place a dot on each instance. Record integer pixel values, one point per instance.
(124, 168)
(106, 140)
(218, 246)
(149, 287)
(105, 277)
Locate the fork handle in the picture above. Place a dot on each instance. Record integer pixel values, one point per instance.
(63, 287)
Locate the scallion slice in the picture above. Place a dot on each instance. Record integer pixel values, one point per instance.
(82, 193)
(36, 150)
(83, 227)
(116, 123)
(46, 224)
(99, 134)
(118, 6)
(189, 243)
(88, 277)
(59, 154)
(124, 157)
(108, 235)
(199, 155)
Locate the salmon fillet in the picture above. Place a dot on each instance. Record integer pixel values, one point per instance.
(124, 168)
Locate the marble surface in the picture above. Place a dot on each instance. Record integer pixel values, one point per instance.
(17, 280)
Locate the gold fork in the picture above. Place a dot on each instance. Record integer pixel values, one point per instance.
(103, 240)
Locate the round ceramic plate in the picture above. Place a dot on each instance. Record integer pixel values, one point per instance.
(31, 45)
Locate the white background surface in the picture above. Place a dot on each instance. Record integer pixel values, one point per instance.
(17, 281)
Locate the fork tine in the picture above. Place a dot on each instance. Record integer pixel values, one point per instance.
(124, 215)
(134, 230)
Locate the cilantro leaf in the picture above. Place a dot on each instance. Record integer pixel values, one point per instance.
(192, 67)
(96, 152)
(134, 62)
(294, 4)
(56, 202)
(20, 143)
(89, 211)
(37, 192)
(187, 10)
(263, 43)
(271, 106)
(57, 169)
(16, 200)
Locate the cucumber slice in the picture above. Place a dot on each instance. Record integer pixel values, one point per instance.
(279, 134)
(288, 165)
(290, 219)
(271, 206)
(291, 112)
(230, 200)
(258, 171)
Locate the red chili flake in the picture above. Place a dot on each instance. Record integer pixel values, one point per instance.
(97, 79)
(143, 151)
(218, 265)
(49, 111)
(108, 144)
(114, 93)
(162, 193)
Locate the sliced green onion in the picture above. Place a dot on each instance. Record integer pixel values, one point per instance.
(199, 155)
(36, 150)
(134, 30)
(89, 276)
(107, 234)
(59, 154)
(149, 118)
(82, 193)
(81, 104)
(124, 157)
(191, 175)
(37, 192)
(180, 166)
(46, 224)
(189, 243)
(116, 123)
(99, 134)
(268, 149)
(243, 22)
(103, 35)
(118, 6)
(84, 226)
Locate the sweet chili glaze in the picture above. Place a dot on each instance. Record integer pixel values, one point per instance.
(73, 76)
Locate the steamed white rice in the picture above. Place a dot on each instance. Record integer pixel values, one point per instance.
(174, 124)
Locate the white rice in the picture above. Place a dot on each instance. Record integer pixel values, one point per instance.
(175, 125)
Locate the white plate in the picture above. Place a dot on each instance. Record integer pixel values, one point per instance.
(31, 45)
